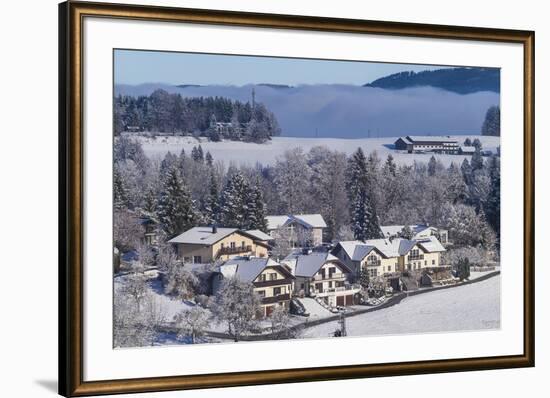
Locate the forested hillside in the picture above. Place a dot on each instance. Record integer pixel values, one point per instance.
(213, 117)
(458, 80)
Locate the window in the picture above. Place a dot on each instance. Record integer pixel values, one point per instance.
(302, 286)
(389, 268)
(262, 278)
(197, 259)
(372, 260)
(329, 284)
(425, 262)
(261, 293)
(242, 244)
(276, 291)
(433, 262)
(222, 246)
(272, 276)
(415, 255)
(232, 244)
(323, 273)
(373, 272)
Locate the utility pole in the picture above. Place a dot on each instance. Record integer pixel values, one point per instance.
(342, 322)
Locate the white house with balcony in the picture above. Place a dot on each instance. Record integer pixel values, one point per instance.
(302, 230)
(323, 276)
(389, 257)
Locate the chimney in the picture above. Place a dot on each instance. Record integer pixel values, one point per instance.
(214, 229)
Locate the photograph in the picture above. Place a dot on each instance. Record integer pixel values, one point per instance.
(261, 198)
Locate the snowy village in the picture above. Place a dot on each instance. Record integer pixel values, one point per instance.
(227, 229)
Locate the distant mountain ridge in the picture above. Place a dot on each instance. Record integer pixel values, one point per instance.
(457, 80)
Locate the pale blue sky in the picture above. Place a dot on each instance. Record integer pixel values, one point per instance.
(136, 67)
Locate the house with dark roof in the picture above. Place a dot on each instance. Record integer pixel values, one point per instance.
(322, 275)
(302, 230)
(388, 257)
(272, 281)
(437, 144)
(208, 244)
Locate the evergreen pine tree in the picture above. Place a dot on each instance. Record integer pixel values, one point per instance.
(209, 159)
(467, 142)
(212, 204)
(150, 201)
(175, 208)
(120, 192)
(197, 154)
(477, 160)
(466, 172)
(390, 165)
(491, 124)
(492, 206)
(432, 166)
(364, 279)
(406, 232)
(256, 213)
(477, 143)
(364, 220)
(233, 203)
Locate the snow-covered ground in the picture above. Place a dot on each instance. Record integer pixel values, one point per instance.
(314, 309)
(470, 307)
(251, 153)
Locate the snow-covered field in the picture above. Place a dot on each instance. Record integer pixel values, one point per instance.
(469, 307)
(251, 153)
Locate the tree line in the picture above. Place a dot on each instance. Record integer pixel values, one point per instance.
(163, 112)
(354, 194)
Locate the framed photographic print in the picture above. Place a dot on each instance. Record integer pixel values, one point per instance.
(251, 198)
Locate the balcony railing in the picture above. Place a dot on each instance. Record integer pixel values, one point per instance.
(234, 250)
(276, 299)
(415, 258)
(374, 263)
(334, 277)
(273, 282)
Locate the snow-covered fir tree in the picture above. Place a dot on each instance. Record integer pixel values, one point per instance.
(150, 201)
(477, 160)
(406, 232)
(492, 205)
(390, 167)
(491, 124)
(120, 193)
(175, 208)
(364, 220)
(255, 208)
(209, 159)
(432, 166)
(233, 202)
(197, 154)
(211, 208)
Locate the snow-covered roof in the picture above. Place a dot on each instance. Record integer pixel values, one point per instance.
(358, 250)
(307, 265)
(431, 244)
(308, 220)
(203, 235)
(467, 148)
(256, 233)
(246, 269)
(429, 138)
